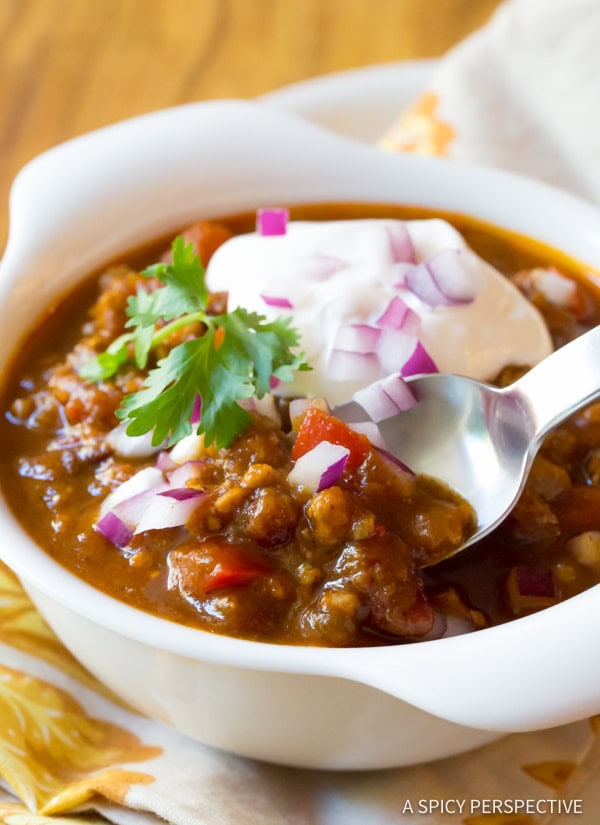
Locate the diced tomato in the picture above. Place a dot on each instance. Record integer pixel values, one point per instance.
(206, 237)
(233, 567)
(321, 426)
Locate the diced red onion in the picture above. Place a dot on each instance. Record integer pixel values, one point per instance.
(319, 468)
(360, 338)
(536, 582)
(196, 411)
(371, 431)
(419, 363)
(385, 398)
(133, 509)
(185, 472)
(401, 244)
(394, 350)
(438, 628)
(263, 406)
(143, 480)
(130, 446)
(113, 529)
(352, 366)
(457, 626)
(300, 406)
(266, 406)
(166, 512)
(272, 221)
(274, 382)
(398, 315)
(165, 463)
(446, 625)
(182, 493)
(443, 280)
(277, 301)
(189, 448)
(395, 275)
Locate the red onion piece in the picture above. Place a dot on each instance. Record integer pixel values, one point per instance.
(272, 221)
(186, 472)
(165, 463)
(401, 243)
(277, 301)
(266, 406)
(130, 446)
(438, 628)
(385, 398)
(332, 474)
(143, 480)
(398, 315)
(182, 493)
(536, 582)
(443, 280)
(419, 363)
(164, 512)
(320, 467)
(113, 529)
(398, 390)
(196, 411)
(530, 588)
(132, 510)
(395, 348)
(274, 382)
(458, 626)
(360, 338)
(352, 366)
(247, 403)
(395, 275)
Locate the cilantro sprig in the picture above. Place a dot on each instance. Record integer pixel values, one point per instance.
(233, 359)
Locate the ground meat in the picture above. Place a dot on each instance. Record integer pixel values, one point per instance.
(231, 585)
(269, 517)
(330, 515)
(373, 582)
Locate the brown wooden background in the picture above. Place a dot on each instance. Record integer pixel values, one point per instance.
(67, 66)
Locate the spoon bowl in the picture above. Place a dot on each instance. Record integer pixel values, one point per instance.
(481, 440)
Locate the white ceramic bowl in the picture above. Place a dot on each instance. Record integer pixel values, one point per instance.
(84, 202)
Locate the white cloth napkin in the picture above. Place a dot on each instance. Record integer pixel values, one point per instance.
(523, 93)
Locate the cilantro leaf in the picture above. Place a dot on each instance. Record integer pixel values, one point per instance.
(166, 403)
(234, 358)
(105, 365)
(185, 278)
(264, 346)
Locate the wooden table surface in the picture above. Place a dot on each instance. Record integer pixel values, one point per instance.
(68, 66)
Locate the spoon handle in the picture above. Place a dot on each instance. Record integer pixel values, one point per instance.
(562, 383)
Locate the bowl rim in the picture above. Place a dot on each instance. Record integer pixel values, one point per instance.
(41, 573)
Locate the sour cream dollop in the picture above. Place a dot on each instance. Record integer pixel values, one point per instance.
(331, 274)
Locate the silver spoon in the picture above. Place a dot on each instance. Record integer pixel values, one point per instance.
(481, 440)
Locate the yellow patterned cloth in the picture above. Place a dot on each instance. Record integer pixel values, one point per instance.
(70, 752)
(67, 745)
